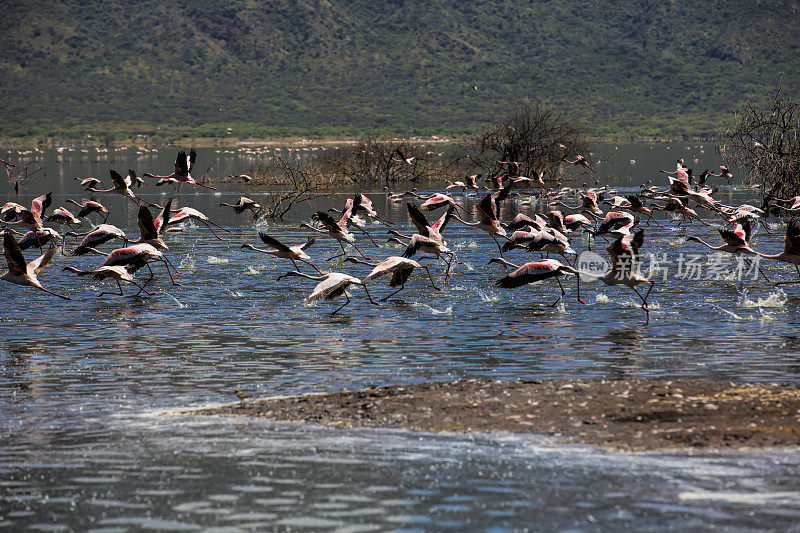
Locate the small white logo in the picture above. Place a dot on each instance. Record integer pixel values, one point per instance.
(591, 265)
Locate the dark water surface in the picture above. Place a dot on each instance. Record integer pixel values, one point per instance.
(84, 384)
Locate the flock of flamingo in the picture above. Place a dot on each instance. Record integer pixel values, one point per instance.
(548, 232)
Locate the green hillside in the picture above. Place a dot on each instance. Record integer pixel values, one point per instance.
(320, 67)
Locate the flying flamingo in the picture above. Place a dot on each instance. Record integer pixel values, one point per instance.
(336, 230)
(399, 267)
(244, 204)
(150, 231)
(330, 286)
(536, 271)
(791, 249)
(117, 273)
(737, 241)
(135, 257)
(122, 186)
(183, 170)
(624, 254)
(187, 212)
(99, 235)
(63, 216)
(292, 253)
(580, 161)
(90, 206)
(489, 209)
(21, 273)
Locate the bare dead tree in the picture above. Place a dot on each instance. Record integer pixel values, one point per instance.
(289, 183)
(528, 140)
(764, 143)
(377, 160)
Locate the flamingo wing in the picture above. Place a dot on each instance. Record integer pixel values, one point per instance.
(418, 219)
(13, 254)
(308, 243)
(792, 238)
(273, 242)
(146, 224)
(529, 273)
(162, 220)
(119, 181)
(38, 264)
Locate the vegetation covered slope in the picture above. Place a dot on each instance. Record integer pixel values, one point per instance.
(327, 67)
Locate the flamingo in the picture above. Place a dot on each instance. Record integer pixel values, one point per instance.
(150, 231)
(429, 246)
(183, 170)
(63, 216)
(791, 249)
(536, 271)
(724, 173)
(336, 230)
(187, 213)
(399, 267)
(99, 235)
(39, 237)
(624, 254)
(117, 273)
(616, 223)
(489, 209)
(580, 161)
(330, 286)
(292, 253)
(89, 182)
(89, 207)
(135, 257)
(21, 273)
(122, 186)
(522, 220)
(244, 204)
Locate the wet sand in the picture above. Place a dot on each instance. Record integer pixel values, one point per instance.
(632, 415)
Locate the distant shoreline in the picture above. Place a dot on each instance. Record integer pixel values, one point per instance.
(629, 414)
(237, 142)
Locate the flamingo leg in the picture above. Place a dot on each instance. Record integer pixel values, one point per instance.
(312, 265)
(368, 294)
(166, 265)
(578, 278)
(434, 284)
(392, 294)
(141, 288)
(54, 293)
(359, 251)
(342, 306)
(212, 231)
(563, 292)
(498, 245)
(120, 293)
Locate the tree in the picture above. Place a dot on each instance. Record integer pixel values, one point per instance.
(764, 143)
(528, 140)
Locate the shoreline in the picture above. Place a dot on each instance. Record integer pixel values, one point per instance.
(626, 415)
(12, 143)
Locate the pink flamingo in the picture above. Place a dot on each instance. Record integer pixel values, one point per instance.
(183, 170)
(330, 286)
(536, 271)
(292, 253)
(399, 267)
(20, 273)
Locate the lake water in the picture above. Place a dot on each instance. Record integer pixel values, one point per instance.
(90, 440)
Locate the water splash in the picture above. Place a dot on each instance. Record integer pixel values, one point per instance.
(252, 271)
(602, 299)
(447, 311)
(235, 294)
(180, 305)
(214, 260)
(773, 300)
(187, 263)
(487, 296)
